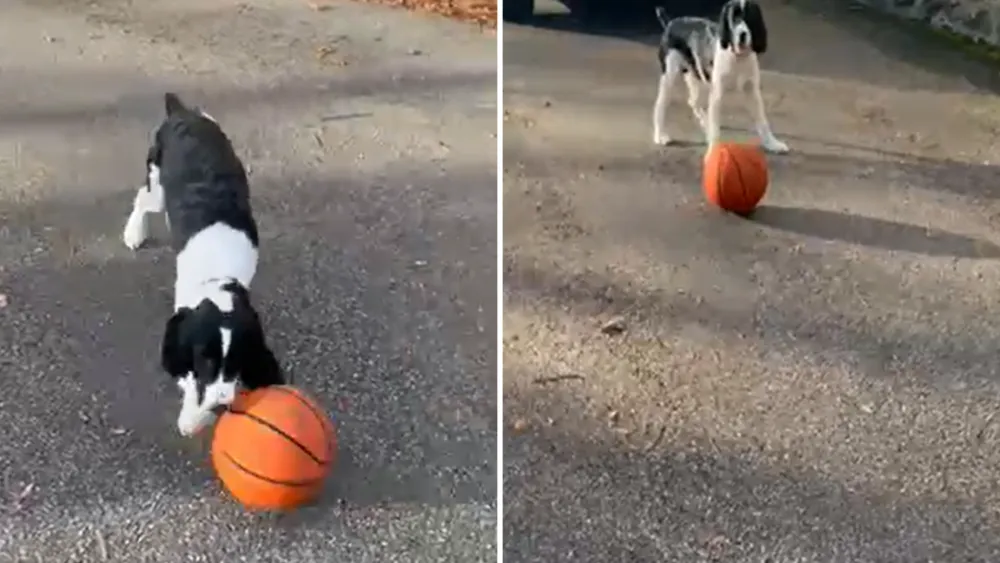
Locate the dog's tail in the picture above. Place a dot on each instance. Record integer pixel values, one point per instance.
(663, 16)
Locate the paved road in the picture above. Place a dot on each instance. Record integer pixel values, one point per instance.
(370, 134)
(817, 384)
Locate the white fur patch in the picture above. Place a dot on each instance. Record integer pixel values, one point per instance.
(219, 252)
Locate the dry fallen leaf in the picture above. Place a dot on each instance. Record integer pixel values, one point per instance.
(482, 12)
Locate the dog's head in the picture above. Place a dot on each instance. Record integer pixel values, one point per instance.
(187, 120)
(215, 347)
(741, 27)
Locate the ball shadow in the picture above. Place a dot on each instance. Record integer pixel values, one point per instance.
(871, 232)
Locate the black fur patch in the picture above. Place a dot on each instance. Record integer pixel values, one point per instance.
(193, 343)
(203, 180)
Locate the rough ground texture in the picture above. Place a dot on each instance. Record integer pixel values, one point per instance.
(370, 135)
(978, 20)
(816, 384)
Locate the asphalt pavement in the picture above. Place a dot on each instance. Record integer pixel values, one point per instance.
(370, 135)
(817, 383)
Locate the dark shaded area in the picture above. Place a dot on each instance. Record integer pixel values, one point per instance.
(968, 179)
(875, 233)
(699, 501)
(777, 324)
(905, 41)
(620, 18)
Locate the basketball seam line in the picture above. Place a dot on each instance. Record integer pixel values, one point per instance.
(283, 434)
(739, 172)
(244, 469)
(320, 417)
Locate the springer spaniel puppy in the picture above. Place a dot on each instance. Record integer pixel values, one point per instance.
(713, 54)
(214, 341)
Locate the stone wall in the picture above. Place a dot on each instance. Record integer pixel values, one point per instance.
(978, 20)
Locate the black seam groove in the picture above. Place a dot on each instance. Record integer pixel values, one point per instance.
(743, 184)
(320, 417)
(283, 434)
(242, 468)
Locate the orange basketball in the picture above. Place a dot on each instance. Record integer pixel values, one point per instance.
(735, 177)
(273, 448)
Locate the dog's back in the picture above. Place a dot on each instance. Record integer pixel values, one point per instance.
(693, 37)
(204, 182)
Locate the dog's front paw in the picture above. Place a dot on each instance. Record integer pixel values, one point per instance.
(189, 426)
(135, 232)
(661, 138)
(775, 146)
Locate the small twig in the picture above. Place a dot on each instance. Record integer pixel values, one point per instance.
(102, 547)
(558, 378)
(984, 426)
(655, 441)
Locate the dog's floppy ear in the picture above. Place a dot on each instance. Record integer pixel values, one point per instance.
(250, 357)
(754, 17)
(725, 26)
(172, 104)
(175, 352)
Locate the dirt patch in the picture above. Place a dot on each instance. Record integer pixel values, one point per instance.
(483, 12)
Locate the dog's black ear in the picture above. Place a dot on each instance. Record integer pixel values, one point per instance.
(268, 371)
(754, 17)
(250, 357)
(725, 26)
(175, 352)
(172, 104)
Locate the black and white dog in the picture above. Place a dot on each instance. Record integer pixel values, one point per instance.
(715, 55)
(214, 341)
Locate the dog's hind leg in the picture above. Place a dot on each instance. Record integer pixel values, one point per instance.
(148, 199)
(668, 78)
(695, 99)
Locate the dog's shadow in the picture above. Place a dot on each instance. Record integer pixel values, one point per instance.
(874, 233)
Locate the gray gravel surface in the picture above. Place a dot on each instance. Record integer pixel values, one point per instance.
(370, 135)
(815, 384)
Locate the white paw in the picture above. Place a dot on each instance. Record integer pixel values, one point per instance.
(135, 232)
(661, 138)
(189, 426)
(775, 146)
